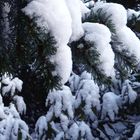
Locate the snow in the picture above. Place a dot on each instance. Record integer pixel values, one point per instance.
(64, 122)
(86, 75)
(74, 131)
(18, 83)
(109, 131)
(2, 113)
(114, 12)
(84, 9)
(63, 63)
(74, 7)
(59, 136)
(88, 92)
(100, 36)
(11, 84)
(49, 114)
(80, 129)
(20, 104)
(119, 20)
(61, 100)
(19, 126)
(132, 13)
(90, 4)
(85, 131)
(13, 110)
(110, 105)
(53, 15)
(11, 124)
(41, 126)
(127, 93)
(73, 82)
(62, 17)
(61, 20)
(130, 41)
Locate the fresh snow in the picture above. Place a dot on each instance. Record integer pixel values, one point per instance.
(11, 123)
(129, 40)
(11, 84)
(63, 19)
(53, 15)
(88, 93)
(127, 93)
(63, 63)
(61, 100)
(132, 13)
(80, 129)
(100, 36)
(123, 34)
(74, 7)
(114, 12)
(20, 104)
(110, 105)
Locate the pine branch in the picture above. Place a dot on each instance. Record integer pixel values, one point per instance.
(125, 62)
(88, 56)
(101, 17)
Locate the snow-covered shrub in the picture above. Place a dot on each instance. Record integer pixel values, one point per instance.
(88, 96)
(61, 100)
(11, 125)
(10, 84)
(80, 130)
(74, 81)
(60, 104)
(110, 106)
(127, 93)
(20, 104)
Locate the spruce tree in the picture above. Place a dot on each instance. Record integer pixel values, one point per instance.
(40, 92)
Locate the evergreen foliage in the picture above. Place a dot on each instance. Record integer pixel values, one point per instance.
(92, 104)
(84, 53)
